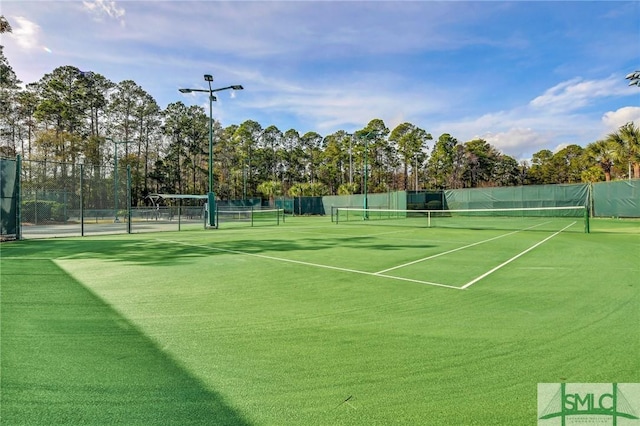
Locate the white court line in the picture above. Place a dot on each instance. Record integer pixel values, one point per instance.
(317, 265)
(456, 249)
(475, 280)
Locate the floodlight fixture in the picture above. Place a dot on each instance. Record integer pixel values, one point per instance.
(211, 195)
(634, 78)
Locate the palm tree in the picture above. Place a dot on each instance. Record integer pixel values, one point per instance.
(630, 135)
(5, 27)
(627, 142)
(270, 188)
(604, 153)
(298, 190)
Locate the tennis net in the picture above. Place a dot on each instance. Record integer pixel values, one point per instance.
(250, 215)
(571, 218)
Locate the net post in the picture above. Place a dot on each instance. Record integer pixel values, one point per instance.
(587, 229)
(205, 215)
(252, 216)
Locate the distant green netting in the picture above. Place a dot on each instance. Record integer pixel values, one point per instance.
(617, 199)
(517, 197)
(425, 200)
(247, 202)
(285, 204)
(388, 200)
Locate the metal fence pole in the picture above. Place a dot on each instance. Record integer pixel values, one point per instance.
(19, 197)
(128, 199)
(82, 199)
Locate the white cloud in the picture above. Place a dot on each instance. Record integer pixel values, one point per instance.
(576, 93)
(109, 8)
(517, 140)
(612, 120)
(25, 33)
(549, 120)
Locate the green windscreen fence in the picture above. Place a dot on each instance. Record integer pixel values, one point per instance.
(9, 198)
(616, 199)
(247, 202)
(396, 200)
(518, 197)
(286, 204)
(425, 200)
(386, 200)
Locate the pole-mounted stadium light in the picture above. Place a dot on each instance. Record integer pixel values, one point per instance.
(211, 196)
(634, 78)
(367, 136)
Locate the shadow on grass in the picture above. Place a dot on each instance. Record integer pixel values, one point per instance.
(162, 250)
(68, 358)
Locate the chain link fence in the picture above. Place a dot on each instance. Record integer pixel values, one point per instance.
(62, 199)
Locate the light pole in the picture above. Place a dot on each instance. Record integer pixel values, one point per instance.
(350, 135)
(367, 136)
(115, 177)
(211, 196)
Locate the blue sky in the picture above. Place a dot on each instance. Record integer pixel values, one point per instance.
(525, 76)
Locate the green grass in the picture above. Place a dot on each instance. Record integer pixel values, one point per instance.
(281, 325)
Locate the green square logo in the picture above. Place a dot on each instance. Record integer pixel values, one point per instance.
(592, 404)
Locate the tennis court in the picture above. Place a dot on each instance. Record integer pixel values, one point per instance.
(313, 322)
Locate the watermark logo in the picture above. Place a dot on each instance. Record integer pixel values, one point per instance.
(591, 404)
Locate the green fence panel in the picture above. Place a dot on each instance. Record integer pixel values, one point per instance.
(9, 198)
(386, 200)
(518, 197)
(286, 204)
(425, 200)
(247, 202)
(617, 199)
(308, 205)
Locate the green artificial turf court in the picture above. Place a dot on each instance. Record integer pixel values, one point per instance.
(313, 323)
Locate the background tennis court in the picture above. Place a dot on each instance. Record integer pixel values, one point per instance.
(310, 322)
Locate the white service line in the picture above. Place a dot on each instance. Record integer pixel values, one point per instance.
(415, 281)
(456, 249)
(475, 280)
(317, 265)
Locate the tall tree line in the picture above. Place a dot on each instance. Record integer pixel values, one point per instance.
(69, 115)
